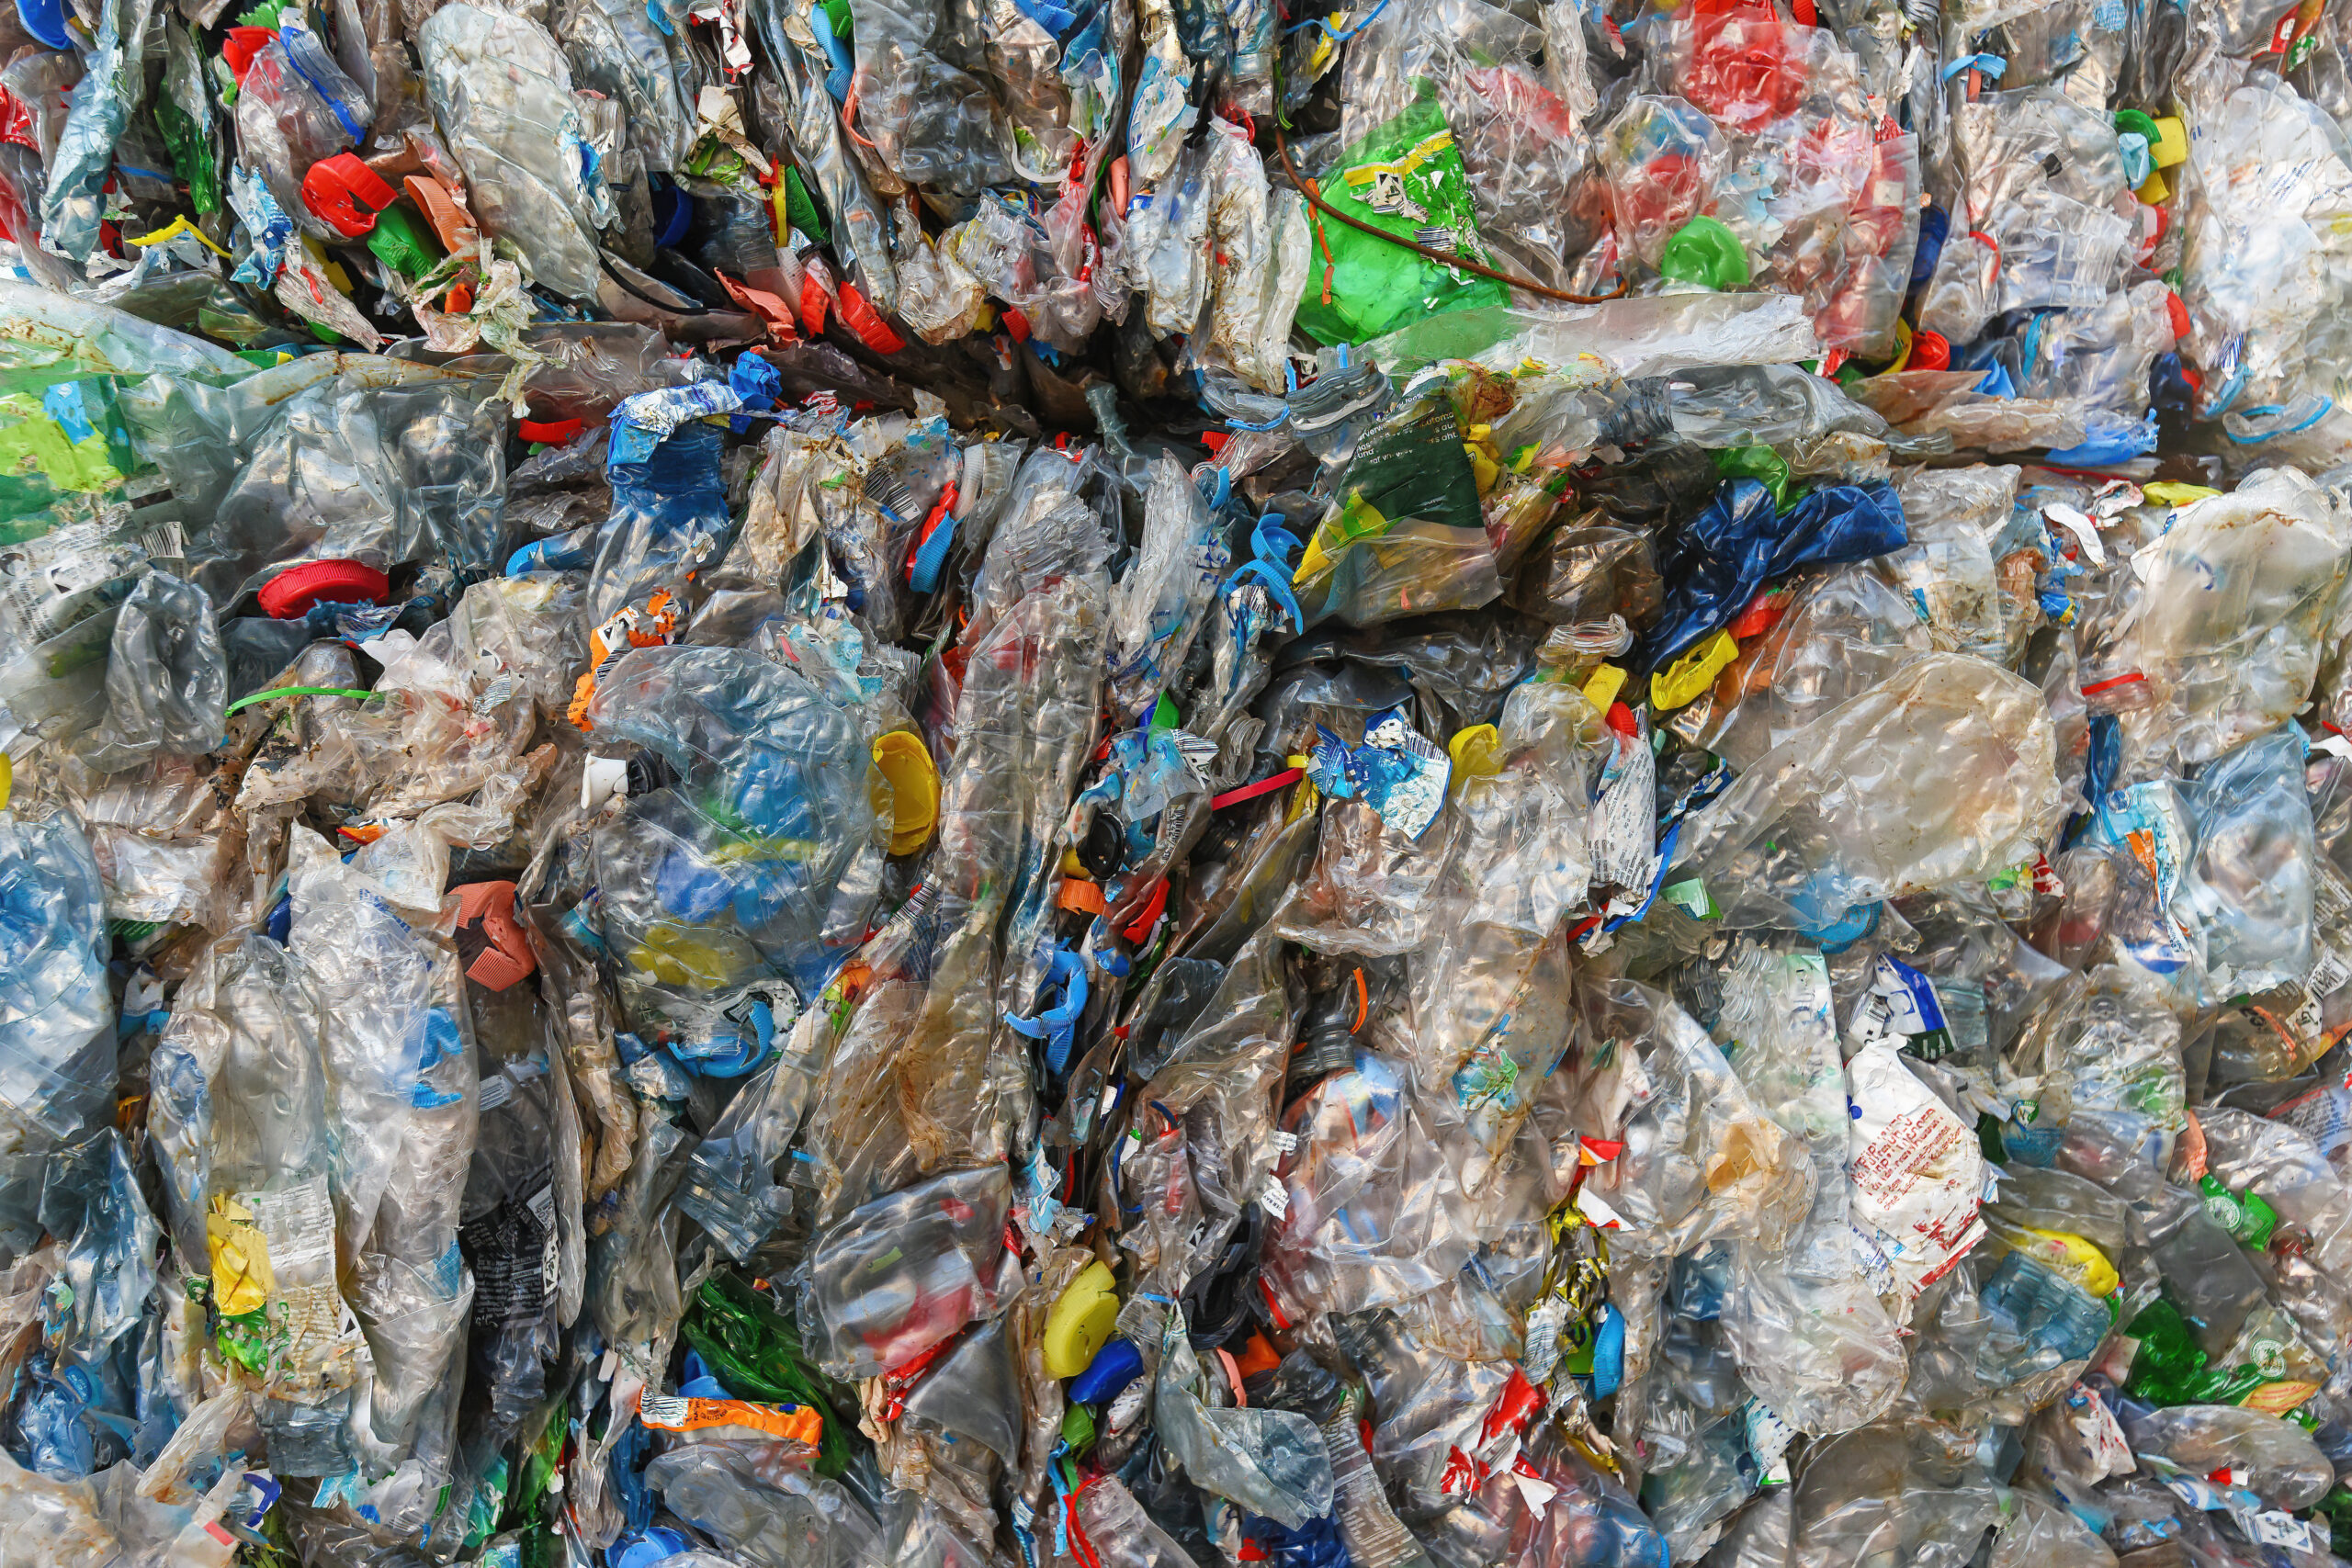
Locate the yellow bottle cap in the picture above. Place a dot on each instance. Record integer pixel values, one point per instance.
(913, 781)
(1683, 680)
(1081, 1322)
(1478, 752)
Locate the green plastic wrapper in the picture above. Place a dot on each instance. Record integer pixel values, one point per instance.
(1761, 464)
(755, 1352)
(1406, 178)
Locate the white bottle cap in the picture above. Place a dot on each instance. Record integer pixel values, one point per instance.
(602, 778)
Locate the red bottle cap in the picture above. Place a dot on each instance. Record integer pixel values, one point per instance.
(867, 323)
(551, 432)
(346, 193)
(241, 44)
(1929, 350)
(488, 937)
(293, 591)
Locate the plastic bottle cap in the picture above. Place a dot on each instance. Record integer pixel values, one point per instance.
(45, 20)
(450, 224)
(2176, 312)
(2170, 144)
(506, 956)
(867, 323)
(601, 778)
(239, 46)
(1930, 351)
(293, 591)
(346, 194)
(674, 213)
(402, 241)
(549, 431)
(1704, 251)
(1680, 683)
(1478, 752)
(912, 779)
(1116, 1365)
(1081, 1322)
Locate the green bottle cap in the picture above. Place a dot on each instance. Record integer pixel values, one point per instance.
(1703, 251)
(402, 241)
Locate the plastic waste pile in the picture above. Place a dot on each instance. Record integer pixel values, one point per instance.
(1155, 783)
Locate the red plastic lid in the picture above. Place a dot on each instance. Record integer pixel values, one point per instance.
(1929, 350)
(867, 323)
(241, 44)
(552, 431)
(293, 591)
(814, 303)
(498, 952)
(346, 193)
(2177, 310)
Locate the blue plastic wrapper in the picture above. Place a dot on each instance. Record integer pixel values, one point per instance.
(1727, 554)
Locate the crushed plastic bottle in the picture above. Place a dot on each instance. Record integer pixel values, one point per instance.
(877, 785)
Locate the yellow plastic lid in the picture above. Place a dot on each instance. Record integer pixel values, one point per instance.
(1081, 1322)
(1602, 688)
(1683, 680)
(1478, 752)
(2171, 145)
(913, 779)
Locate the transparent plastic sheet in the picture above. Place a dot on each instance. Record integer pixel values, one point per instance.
(620, 51)
(521, 148)
(56, 1003)
(942, 1241)
(293, 112)
(762, 861)
(2264, 257)
(2237, 660)
(381, 463)
(1701, 1163)
(1791, 846)
(1844, 634)
(1812, 1337)
(166, 677)
(1269, 1461)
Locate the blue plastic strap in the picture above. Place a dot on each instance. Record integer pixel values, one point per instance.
(1337, 35)
(1269, 547)
(1057, 1025)
(2325, 404)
